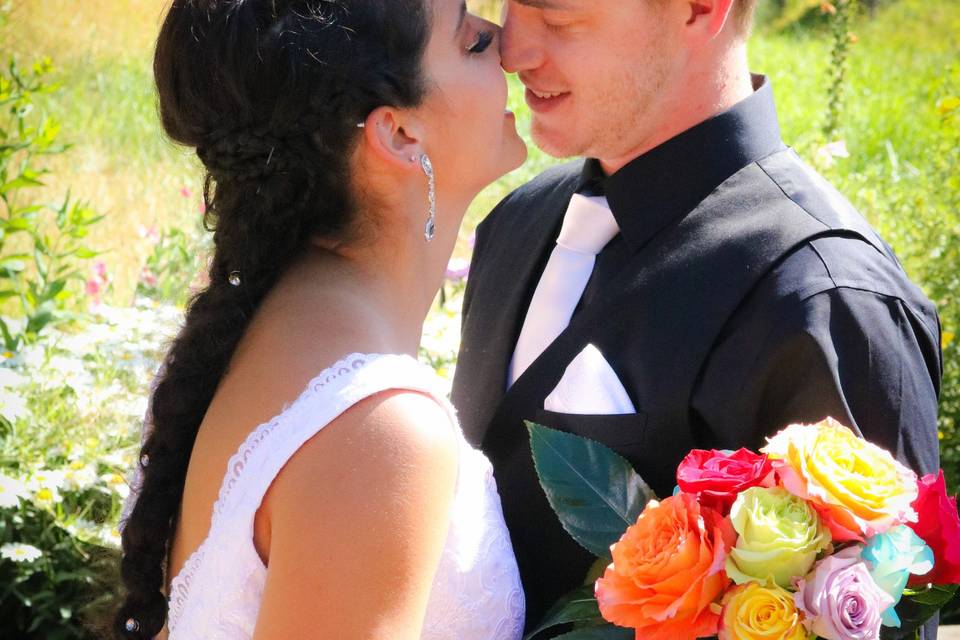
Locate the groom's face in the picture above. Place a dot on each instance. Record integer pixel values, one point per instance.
(594, 70)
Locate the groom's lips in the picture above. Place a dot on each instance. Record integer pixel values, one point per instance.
(546, 101)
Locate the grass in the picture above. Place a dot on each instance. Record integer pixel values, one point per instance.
(120, 161)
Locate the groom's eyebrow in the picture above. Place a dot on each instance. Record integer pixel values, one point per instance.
(557, 5)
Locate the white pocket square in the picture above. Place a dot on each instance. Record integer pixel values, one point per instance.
(589, 387)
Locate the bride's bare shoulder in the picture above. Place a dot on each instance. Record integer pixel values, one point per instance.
(387, 456)
(358, 519)
(383, 439)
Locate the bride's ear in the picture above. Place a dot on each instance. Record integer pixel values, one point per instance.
(394, 136)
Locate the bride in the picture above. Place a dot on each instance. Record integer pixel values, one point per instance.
(304, 476)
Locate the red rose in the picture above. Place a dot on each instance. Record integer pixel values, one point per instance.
(939, 527)
(716, 477)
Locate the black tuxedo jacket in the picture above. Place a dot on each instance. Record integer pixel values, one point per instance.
(766, 300)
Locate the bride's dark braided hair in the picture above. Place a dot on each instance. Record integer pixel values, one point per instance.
(269, 92)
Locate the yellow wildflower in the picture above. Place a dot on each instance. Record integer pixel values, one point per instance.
(946, 339)
(948, 104)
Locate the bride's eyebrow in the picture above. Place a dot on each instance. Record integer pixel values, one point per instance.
(463, 16)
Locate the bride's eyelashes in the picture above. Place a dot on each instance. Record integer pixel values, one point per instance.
(482, 43)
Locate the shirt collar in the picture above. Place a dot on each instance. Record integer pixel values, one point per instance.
(668, 181)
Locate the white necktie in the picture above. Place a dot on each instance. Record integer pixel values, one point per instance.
(587, 228)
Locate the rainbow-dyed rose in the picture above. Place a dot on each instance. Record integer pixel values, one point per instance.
(859, 489)
(752, 611)
(892, 557)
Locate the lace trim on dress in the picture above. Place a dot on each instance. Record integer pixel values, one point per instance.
(180, 585)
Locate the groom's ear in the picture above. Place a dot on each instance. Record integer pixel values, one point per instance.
(393, 135)
(706, 19)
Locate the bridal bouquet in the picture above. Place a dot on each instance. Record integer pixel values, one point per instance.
(820, 534)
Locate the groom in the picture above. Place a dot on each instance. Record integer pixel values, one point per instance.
(691, 284)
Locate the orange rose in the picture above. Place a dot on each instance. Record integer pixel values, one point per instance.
(668, 571)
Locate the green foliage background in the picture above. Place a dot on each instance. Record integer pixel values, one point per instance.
(897, 113)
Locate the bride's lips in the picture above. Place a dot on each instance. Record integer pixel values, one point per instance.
(545, 101)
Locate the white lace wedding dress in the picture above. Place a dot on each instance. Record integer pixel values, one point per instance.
(476, 591)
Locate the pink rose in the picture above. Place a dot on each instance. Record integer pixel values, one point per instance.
(939, 527)
(717, 477)
(840, 600)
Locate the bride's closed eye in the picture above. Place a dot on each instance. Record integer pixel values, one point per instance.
(482, 42)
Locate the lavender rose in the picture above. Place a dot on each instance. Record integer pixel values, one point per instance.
(840, 600)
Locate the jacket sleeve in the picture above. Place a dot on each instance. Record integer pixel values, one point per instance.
(863, 358)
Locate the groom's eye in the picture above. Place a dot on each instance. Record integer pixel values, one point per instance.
(483, 41)
(556, 27)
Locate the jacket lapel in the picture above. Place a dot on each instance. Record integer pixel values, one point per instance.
(504, 279)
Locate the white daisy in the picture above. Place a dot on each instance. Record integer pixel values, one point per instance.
(116, 483)
(71, 372)
(10, 379)
(83, 529)
(52, 479)
(110, 536)
(115, 459)
(13, 406)
(19, 552)
(79, 476)
(46, 497)
(11, 490)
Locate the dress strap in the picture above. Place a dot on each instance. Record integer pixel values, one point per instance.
(252, 469)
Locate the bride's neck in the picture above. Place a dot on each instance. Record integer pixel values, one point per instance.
(378, 292)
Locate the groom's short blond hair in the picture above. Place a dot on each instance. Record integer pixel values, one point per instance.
(742, 15)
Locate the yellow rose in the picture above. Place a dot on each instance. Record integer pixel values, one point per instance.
(755, 612)
(857, 487)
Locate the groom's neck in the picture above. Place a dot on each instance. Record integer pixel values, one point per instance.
(700, 93)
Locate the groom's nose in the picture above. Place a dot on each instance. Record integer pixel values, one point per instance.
(520, 48)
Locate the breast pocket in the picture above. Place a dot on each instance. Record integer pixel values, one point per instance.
(622, 431)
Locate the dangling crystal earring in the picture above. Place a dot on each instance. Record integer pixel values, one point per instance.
(430, 229)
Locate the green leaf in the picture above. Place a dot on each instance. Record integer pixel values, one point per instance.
(10, 342)
(28, 210)
(918, 606)
(25, 180)
(38, 321)
(593, 490)
(606, 632)
(935, 595)
(85, 254)
(577, 606)
(18, 224)
(13, 264)
(53, 289)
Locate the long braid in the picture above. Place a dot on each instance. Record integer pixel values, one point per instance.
(269, 93)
